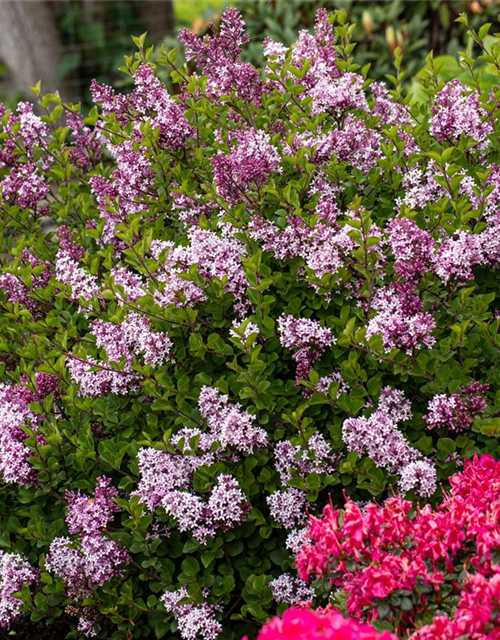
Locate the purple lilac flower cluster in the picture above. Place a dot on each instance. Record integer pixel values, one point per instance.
(166, 478)
(16, 419)
(17, 291)
(193, 620)
(400, 319)
(247, 166)
(69, 272)
(307, 338)
(228, 423)
(290, 590)
(457, 111)
(379, 437)
(226, 507)
(133, 337)
(316, 457)
(15, 573)
(219, 59)
(122, 343)
(92, 558)
(24, 184)
(288, 507)
(456, 411)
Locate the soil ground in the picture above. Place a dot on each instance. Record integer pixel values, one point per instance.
(26, 630)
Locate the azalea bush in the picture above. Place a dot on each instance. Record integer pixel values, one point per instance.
(424, 573)
(224, 308)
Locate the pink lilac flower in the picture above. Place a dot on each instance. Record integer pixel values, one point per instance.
(491, 201)
(420, 188)
(413, 248)
(90, 516)
(320, 145)
(243, 329)
(458, 255)
(149, 100)
(46, 384)
(296, 539)
(85, 144)
(86, 625)
(339, 94)
(92, 559)
(17, 292)
(194, 621)
(329, 250)
(162, 472)
(67, 244)
(25, 187)
(400, 319)
(191, 208)
(319, 49)
(227, 504)
(323, 246)
(32, 130)
(15, 573)
(150, 97)
(129, 189)
(289, 590)
(219, 256)
(131, 338)
(325, 382)
(174, 286)
(122, 342)
(489, 240)
(457, 111)
(419, 476)
(218, 56)
(110, 101)
(166, 480)
(456, 411)
(393, 113)
(16, 289)
(292, 241)
(226, 507)
(307, 339)
(318, 457)
(84, 286)
(14, 415)
(86, 563)
(288, 507)
(228, 423)
(247, 166)
(96, 379)
(356, 144)
(131, 283)
(379, 438)
(275, 50)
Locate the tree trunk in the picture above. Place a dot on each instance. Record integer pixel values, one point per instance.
(31, 47)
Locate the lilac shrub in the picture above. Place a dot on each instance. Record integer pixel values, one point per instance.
(227, 304)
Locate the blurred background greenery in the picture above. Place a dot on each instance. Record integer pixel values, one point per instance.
(66, 43)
